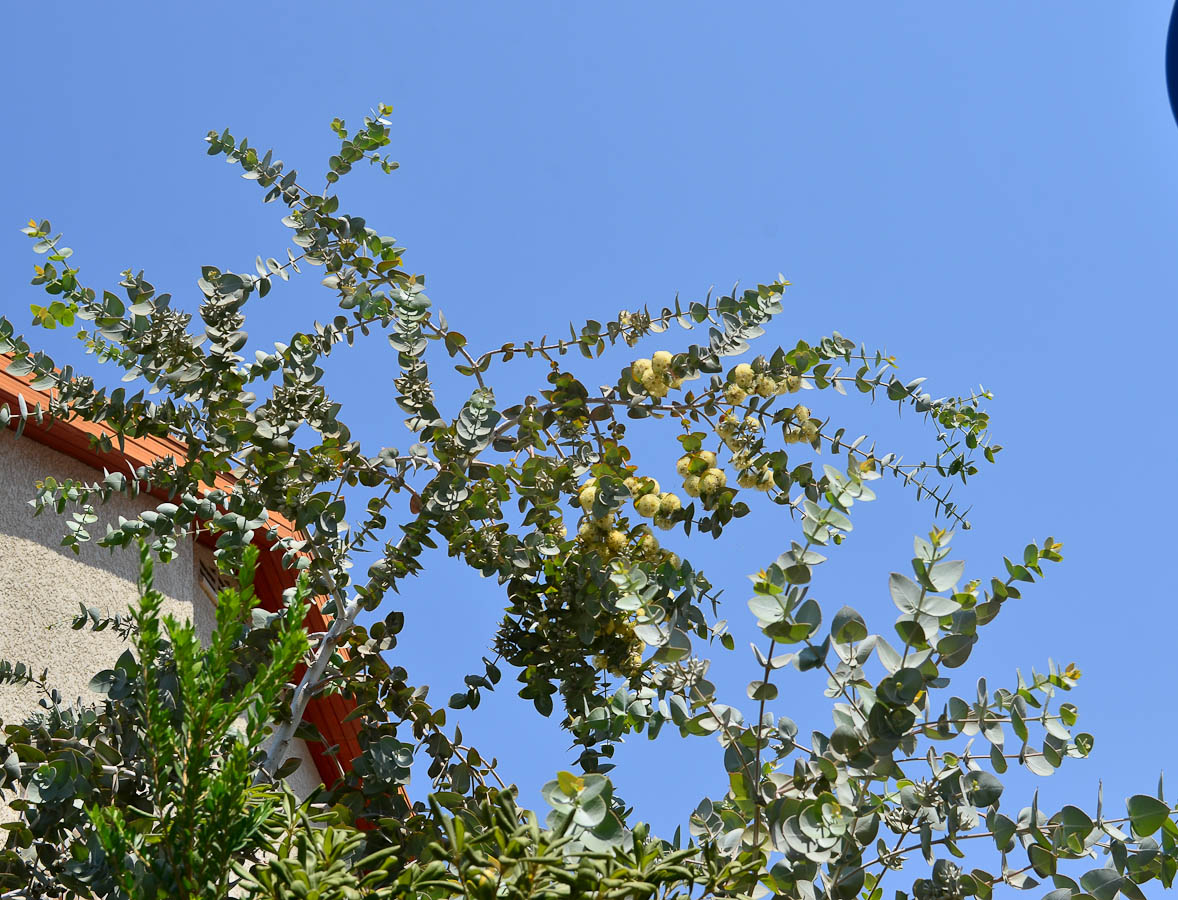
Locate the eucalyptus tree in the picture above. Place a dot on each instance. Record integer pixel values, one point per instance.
(605, 630)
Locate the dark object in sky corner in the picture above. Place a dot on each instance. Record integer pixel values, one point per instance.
(1172, 62)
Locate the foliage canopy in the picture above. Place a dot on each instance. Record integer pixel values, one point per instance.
(160, 790)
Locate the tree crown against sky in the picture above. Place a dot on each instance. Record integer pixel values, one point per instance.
(602, 622)
(988, 194)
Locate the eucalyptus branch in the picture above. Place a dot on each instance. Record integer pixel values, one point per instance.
(328, 644)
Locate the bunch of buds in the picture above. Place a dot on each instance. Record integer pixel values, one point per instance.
(633, 326)
(655, 374)
(607, 540)
(752, 476)
(744, 380)
(804, 429)
(627, 662)
(601, 536)
(741, 436)
(738, 433)
(651, 503)
(701, 477)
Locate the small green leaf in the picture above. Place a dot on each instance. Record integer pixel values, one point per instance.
(1146, 814)
(762, 690)
(848, 626)
(984, 788)
(1103, 884)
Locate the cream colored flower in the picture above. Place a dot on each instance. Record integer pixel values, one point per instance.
(711, 481)
(734, 394)
(766, 482)
(647, 505)
(669, 503)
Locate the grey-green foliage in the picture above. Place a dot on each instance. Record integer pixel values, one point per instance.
(603, 626)
(151, 793)
(493, 850)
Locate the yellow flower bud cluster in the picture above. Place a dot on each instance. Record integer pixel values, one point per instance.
(701, 476)
(629, 652)
(603, 537)
(623, 656)
(744, 380)
(651, 503)
(804, 429)
(760, 479)
(655, 374)
(739, 435)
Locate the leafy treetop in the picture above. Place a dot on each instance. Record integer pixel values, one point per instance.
(600, 620)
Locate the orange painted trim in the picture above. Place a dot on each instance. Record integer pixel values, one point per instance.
(77, 439)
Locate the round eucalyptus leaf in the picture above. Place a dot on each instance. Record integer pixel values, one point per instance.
(1146, 814)
(984, 788)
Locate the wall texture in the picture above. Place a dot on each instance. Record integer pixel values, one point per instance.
(42, 583)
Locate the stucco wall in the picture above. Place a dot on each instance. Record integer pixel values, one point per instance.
(42, 583)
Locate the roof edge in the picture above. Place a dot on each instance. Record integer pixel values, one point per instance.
(78, 439)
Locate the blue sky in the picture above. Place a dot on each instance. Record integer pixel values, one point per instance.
(986, 191)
